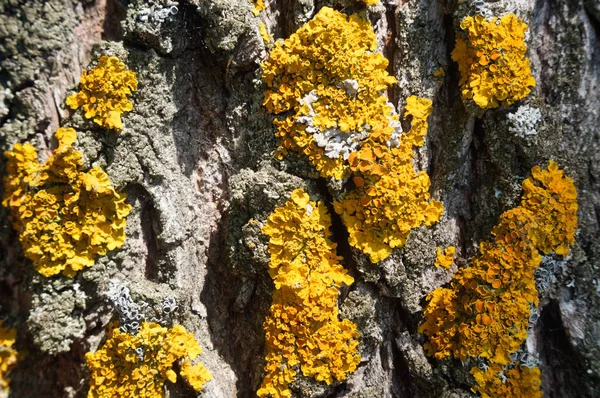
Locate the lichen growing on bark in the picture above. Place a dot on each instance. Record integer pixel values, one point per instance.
(198, 121)
(445, 259)
(390, 198)
(302, 329)
(104, 92)
(65, 217)
(497, 382)
(331, 93)
(494, 68)
(139, 365)
(485, 311)
(8, 356)
(327, 82)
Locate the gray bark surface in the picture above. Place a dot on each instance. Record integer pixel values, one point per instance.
(195, 160)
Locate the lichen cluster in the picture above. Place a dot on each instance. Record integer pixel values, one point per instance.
(498, 382)
(492, 61)
(485, 311)
(103, 92)
(524, 121)
(328, 83)
(390, 198)
(303, 329)
(8, 356)
(65, 217)
(445, 259)
(138, 365)
(259, 5)
(265, 35)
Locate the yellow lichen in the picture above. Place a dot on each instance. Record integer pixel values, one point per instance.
(196, 375)
(8, 356)
(104, 91)
(259, 5)
(518, 381)
(138, 366)
(303, 330)
(390, 198)
(327, 79)
(492, 61)
(485, 311)
(329, 83)
(265, 35)
(65, 217)
(445, 259)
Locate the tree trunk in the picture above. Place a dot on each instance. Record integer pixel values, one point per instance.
(195, 159)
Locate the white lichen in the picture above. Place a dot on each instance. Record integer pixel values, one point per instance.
(349, 85)
(130, 313)
(394, 141)
(157, 14)
(310, 99)
(481, 8)
(133, 312)
(309, 209)
(524, 121)
(334, 141)
(169, 305)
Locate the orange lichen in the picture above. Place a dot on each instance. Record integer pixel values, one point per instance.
(104, 91)
(65, 217)
(492, 61)
(390, 198)
(303, 330)
(485, 311)
(440, 72)
(8, 356)
(328, 83)
(497, 382)
(138, 366)
(445, 259)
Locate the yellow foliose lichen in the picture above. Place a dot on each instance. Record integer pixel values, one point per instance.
(103, 92)
(65, 217)
(485, 311)
(328, 83)
(302, 330)
(390, 198)
(138, 366)
(497, 382)
(259, 5)
(445, 259)
(265, 35)
(492, 61)
(8, 356)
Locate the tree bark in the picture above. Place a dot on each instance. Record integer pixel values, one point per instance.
(195, 160)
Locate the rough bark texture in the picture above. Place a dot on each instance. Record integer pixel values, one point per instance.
(195, 161)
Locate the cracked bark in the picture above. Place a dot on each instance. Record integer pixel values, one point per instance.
(195, 160)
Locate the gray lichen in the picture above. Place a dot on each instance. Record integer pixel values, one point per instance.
(57, 317)
(253, 196)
